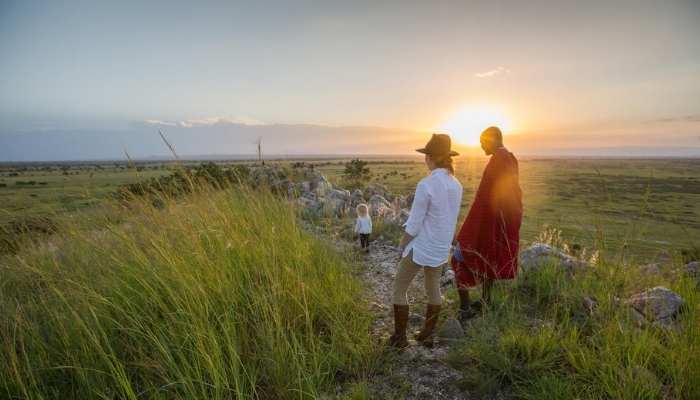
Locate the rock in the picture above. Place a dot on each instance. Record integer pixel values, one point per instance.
(693, 268)
(447, 278)
(375, 189)
(451, 330)
(305, 187)
(356, 197)
(589, 304)
(637, 317)
(310, 205)
(340, 194)
(335, 206)
(658, 305)
(540, 254)
(376, 201)
(321, 186)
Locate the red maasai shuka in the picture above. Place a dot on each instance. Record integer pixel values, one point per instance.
(490, 235)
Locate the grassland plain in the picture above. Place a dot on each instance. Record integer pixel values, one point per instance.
(625, 208)
(218, 295)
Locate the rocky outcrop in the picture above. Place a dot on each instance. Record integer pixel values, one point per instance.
(316, 196)
(540, 254)
(659, 306)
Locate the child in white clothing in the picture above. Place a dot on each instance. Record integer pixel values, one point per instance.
(363, 226)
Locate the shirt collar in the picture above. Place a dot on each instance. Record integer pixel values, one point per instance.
(439, 171)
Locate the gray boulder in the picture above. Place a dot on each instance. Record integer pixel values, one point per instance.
(540, 254)
(336, 206)
(357, 197)
(379, 205)
(451, 329)
(321, 186)
(305, 187)
(693, 269)
(339, 194)
(310, 205)
(659, 306)
(376, 189)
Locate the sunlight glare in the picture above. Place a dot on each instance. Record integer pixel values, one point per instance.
(466, 125)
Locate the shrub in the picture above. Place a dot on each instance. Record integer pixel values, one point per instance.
(356, 173)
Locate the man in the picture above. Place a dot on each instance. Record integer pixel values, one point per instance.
(486, 247)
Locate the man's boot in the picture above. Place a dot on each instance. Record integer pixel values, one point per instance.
(425, 337)
(465, 306)
(398, 339)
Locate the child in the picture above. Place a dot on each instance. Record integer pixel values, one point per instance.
(363, 226)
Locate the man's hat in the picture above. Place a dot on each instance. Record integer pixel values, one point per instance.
(438, 145)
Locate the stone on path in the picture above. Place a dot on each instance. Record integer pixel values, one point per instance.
(451, 329)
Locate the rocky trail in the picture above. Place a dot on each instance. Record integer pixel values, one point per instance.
(418, 372)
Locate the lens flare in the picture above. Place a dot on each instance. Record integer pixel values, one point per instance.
(466, 125)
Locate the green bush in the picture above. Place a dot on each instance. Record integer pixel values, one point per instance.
(218, 295)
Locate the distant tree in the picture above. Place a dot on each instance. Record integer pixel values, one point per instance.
(356, 172)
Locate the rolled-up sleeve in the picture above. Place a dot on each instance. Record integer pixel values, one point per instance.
(418, 209)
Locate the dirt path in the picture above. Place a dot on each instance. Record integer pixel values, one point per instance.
(417, 372)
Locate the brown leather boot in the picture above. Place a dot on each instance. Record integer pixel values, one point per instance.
(432, 313)
(398, 339)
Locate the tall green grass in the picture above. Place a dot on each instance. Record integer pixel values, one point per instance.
(540, 341)
(218, 295)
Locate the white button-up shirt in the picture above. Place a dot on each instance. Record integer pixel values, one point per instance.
(433, 218)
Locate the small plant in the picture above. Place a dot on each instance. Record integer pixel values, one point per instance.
(356, 173)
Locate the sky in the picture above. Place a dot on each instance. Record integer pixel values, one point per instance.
(86, 80)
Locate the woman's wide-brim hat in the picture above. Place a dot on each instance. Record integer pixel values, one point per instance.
(439, 145)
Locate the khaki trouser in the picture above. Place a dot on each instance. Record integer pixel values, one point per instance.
(407, 270)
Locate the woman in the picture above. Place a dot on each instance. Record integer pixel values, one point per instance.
(428, 235)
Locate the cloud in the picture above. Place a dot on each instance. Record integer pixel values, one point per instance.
(492, 73)
(203, 122)
(159, 122)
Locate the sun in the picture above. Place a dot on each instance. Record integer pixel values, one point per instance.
(465, 125)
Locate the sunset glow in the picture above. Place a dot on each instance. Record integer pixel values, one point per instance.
(467, 123)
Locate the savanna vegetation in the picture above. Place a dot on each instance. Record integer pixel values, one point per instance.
(555, 335)
(165, 282)
(217, 294)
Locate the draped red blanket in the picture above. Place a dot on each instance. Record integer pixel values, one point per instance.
(490, 235)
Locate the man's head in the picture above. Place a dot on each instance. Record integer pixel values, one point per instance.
(491, 140)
